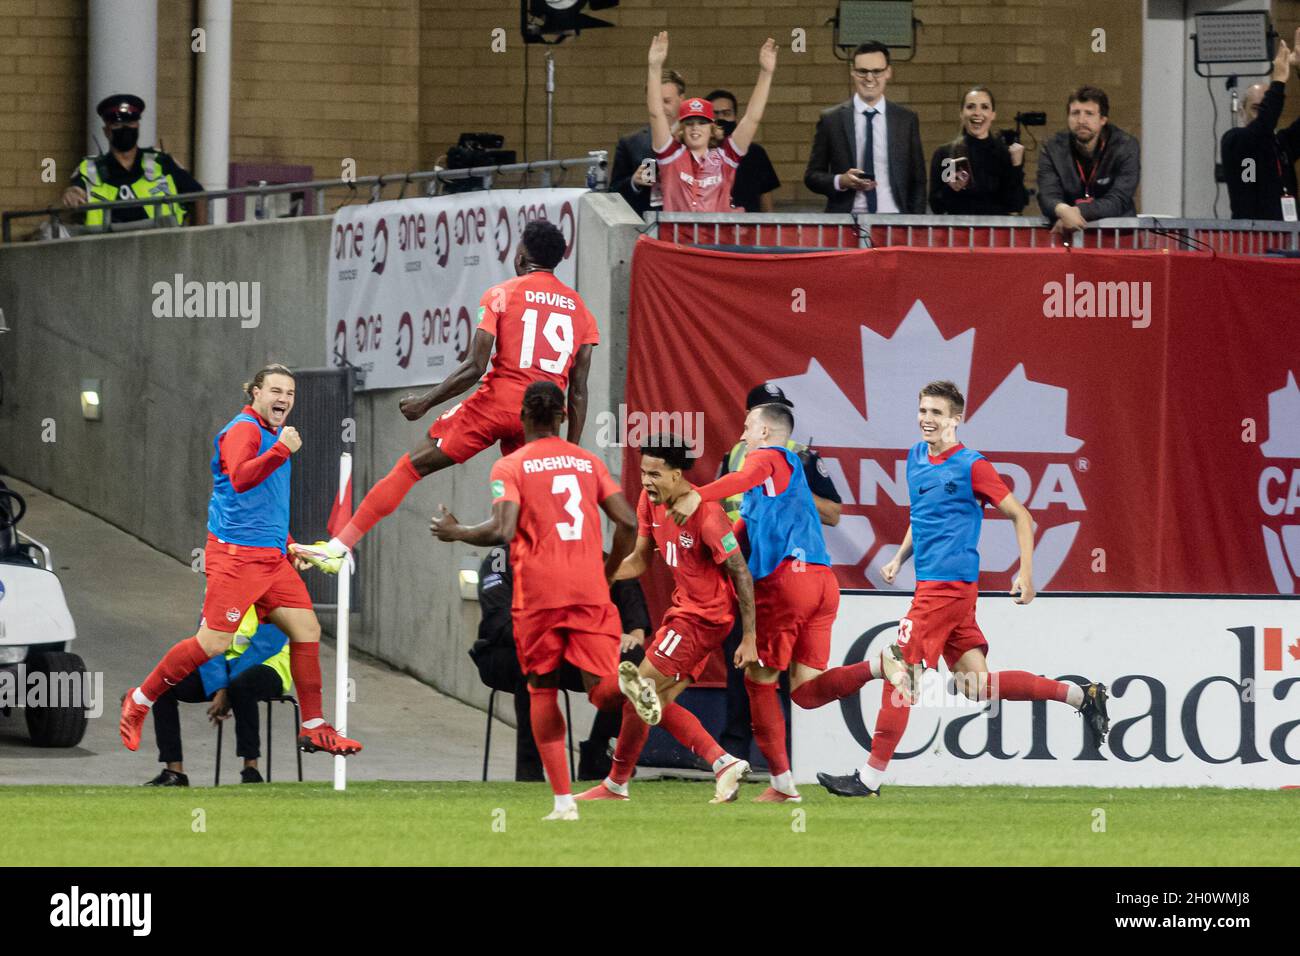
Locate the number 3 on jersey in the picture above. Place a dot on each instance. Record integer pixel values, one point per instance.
(558, 333)
(568, 484)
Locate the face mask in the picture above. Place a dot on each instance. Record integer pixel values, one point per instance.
(124, 138)
(728, 126)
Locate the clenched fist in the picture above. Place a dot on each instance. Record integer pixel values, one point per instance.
(289, 435)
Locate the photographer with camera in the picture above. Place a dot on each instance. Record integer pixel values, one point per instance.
(1091, 170)
(978, 173)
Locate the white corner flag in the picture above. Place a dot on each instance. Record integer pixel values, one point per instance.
(341, 628)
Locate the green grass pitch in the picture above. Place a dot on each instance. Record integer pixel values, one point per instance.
(666, 822)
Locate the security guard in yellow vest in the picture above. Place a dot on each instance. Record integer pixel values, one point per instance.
(128, 171)
(825, 496)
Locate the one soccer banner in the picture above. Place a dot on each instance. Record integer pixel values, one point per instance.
(1143, 406)
(1204, 692)
(406, 276)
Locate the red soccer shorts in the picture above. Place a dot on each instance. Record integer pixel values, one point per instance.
(941, 620)
(683, 643)
(795, 611)
(239, 577)
(585, 635)
(477, 423)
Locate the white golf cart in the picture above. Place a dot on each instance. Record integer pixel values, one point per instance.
(35, 632)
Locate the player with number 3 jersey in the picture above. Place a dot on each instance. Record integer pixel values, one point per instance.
(541, 331)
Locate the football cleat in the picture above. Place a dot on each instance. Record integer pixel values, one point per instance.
(168, 778)
(641, 692)
(326, 738)
(727, 788)
(568, 813)
(1094, 713)
(132, 721)
(323, 556)
(773, 795)
(847, 786)
(601, 792)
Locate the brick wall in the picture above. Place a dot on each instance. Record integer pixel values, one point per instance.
(391, 83)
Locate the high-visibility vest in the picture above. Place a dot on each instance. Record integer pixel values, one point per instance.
(278, 662)
(736, 461)
(152, 182)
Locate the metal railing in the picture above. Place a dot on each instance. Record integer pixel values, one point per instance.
(594, 162)
(848, 231)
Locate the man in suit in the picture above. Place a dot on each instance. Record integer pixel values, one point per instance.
(632, 178)
(866, 154)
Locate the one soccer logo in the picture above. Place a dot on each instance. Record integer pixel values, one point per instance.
(1279, 485)
(233, 615)
(686, 540)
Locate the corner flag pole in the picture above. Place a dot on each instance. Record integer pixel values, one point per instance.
(341, 636)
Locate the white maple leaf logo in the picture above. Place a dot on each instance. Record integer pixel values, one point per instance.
(1283, 545)
(1020, 415)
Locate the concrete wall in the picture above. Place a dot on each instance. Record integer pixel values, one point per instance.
(83, 308)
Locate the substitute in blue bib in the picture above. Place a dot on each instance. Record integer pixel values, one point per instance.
(946, 515)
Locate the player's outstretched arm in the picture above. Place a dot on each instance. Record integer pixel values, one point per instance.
(748, 125)
(1023, 586)
(578, 393)
(414, 407)
(624, 518)
(498, 529)
(635, 564)
(828, 511)
(738, 571)
(660, 129)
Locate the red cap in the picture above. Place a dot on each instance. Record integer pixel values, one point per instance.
(695, 108)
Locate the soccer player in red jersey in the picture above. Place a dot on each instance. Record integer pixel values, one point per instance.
(697, 168)
(542, 331)
(247, 564)
(702, 614)
(795, 591)
(949, 486)
(544, 504)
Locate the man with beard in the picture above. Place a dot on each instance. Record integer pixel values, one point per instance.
(1091, 171)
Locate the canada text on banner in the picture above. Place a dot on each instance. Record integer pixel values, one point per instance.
(1143, 406)
(1203, 693)
(406, 276)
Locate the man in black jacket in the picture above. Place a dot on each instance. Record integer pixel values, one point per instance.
(1258, 158)
(1091, 171)
(632, 177)
(863, 161)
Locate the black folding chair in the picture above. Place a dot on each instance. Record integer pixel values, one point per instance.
(487, 740)
(297, 722)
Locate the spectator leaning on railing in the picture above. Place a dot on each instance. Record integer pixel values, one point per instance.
(129, 171)
(1091, 170)
(863, 161)
(698, 165)
(978, 174)
(1258, 158)
(633, 175)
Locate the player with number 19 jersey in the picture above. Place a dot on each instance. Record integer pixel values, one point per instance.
(561, 608)
(539, 323)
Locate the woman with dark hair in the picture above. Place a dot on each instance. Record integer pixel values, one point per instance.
(977, 174)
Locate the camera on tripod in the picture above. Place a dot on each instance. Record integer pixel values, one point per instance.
(1010, 136)
(476, 149)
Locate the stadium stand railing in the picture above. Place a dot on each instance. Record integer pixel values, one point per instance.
(432, 180)
(846, 231)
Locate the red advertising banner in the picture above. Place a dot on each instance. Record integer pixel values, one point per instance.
(1143, 406)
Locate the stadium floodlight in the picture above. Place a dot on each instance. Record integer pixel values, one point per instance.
(887, 21)
(90, 404)
(1238, 37)
(552, 21)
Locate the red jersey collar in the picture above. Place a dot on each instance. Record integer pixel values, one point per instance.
(946, 455)
(248, 410)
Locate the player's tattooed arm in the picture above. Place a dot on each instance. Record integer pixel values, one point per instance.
(738, 571)
(890, 570)
(415, 407)
(498, 529)
(624, 518)
(1022, 588)
(635, 564)
(578, 393)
